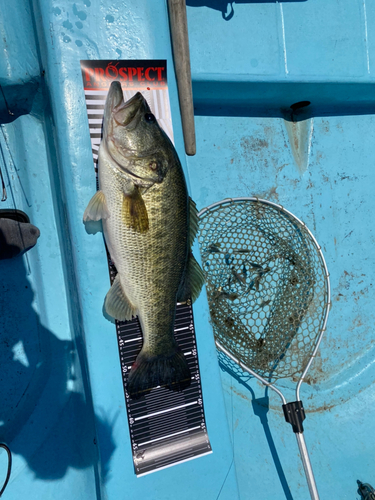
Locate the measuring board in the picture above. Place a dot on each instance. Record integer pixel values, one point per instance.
(166, 427)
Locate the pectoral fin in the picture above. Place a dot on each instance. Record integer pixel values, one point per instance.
(97, 208)
(193, 221)
(134, 211)
(193, 282)
(117, 304)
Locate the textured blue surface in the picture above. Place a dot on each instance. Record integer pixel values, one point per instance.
(62, 407)
(273, 55)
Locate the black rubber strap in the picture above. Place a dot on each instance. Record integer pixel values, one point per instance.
(14, 214)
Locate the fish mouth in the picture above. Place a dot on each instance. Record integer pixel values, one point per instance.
(123, 113)
(114, 97)
(127, 114)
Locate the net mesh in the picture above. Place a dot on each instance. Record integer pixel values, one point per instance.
(266, 285)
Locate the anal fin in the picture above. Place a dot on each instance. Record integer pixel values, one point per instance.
(193, 281)
(116, 303)
(97, 208)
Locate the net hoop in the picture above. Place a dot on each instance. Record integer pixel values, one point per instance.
(269, 205)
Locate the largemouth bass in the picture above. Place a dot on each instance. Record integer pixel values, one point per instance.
(149, 225)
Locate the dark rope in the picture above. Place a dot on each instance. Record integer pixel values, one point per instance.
(4, 196)
(2, 445)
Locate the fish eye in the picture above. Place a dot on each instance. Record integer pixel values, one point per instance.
(150, 118)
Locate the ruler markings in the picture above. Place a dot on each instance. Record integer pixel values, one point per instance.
(189, 413)
(191, 418)
(161, 401)
(169, 436)
(95, 101)
(165, 411)
(148, 431)
(180, 329)
(132, 340)
(157, 431)
(160, 404)
(95, 113)
(95, 107)
(152, 408)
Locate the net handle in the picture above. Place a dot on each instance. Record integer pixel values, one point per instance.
(307, 466)
(299, 435)
(249, 370)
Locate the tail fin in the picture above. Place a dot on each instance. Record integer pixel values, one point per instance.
(170, 371)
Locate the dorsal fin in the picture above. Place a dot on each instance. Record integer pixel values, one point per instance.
(193, 222)
(193, 281)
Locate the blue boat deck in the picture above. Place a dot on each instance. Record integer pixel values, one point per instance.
(62, 407)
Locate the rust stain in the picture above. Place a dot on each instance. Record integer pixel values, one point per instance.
(281, 167)
(356, 323)
(320, 156)
(316, 373)
(241, 395)
(251, 144)
(277, 407)
(325, 126)
(296, 142)
(311, 409)
(295, 182)
(321, 409)
(268, 131)
(270, 194)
